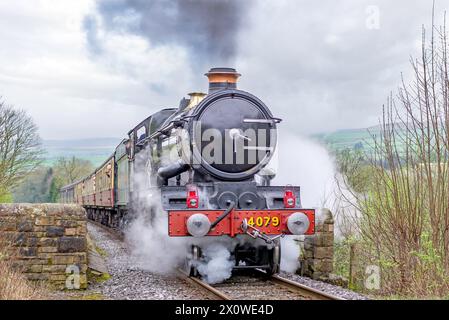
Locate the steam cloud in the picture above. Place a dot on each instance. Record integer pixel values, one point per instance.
(207, 28)
(303, 162)
(150, 243)
(218, 265)
(154, 249)
(157, 252)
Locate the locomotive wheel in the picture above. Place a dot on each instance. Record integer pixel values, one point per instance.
(191, 261)
(275, 260)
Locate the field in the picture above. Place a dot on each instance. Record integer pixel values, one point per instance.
(94, 150)
(348, 139)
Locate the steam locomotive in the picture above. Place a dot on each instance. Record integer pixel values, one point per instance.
(207, 161)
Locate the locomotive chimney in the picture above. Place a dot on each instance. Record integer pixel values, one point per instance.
(222, 78)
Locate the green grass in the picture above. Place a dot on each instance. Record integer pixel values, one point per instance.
(347, 139)
(6, 197)
(355, 139)
(101, 251)
(94, 150)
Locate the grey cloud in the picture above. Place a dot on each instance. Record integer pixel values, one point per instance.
(90, 26)
(320, 67)
(317, 64)
(313, 62)
(208, 28)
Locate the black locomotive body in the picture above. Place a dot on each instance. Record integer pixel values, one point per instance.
(207, 161)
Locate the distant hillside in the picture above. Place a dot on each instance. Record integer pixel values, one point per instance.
(96, 150)
(348, 138)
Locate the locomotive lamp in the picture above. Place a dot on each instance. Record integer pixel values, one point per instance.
(198, 225)
(192, 197)
(298, 223)
(289, 199)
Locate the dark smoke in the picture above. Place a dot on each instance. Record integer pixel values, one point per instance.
(208, 28)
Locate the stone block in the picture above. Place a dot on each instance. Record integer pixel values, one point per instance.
(28, 252)
(26, 239)
(9, 236)
(53, 231)
(25, 226)
(48, 242)
(47, 249)
(34, 268)
(80, 258)
(324, 239)
(41, 229)
(321, 265)
(309, 240)
(54, 268)
(45, 221)
(68, 223)
(8, 225)
(37, 276)
(326, 216)
(72, 244)
(323, 252)
(63, 259)
(83, 281)
(26, 262)
(58, 277)
(328, 228)
(71, 231)
(82, 231)
(307, 254)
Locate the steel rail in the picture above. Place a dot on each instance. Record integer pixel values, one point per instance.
(312, 293)
(204, 285)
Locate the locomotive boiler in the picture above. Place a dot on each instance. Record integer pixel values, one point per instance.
(207, 161)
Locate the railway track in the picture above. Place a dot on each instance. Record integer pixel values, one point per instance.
(248, 287)
(257, 288)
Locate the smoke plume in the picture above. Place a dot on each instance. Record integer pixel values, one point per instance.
(207, 28)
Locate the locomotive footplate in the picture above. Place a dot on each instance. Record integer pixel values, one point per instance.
(267, 222)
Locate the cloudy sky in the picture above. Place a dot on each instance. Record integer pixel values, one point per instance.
(91, 68)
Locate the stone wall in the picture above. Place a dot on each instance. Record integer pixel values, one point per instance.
(318, 250)
(48, 242)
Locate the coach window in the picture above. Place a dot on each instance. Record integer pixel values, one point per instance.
(140, 135)
(129, 147)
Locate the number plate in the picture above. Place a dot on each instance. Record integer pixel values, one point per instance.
(269, 222)
(264, 221)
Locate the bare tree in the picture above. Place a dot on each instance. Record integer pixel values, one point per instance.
(404, 213)
(20, 149)
(69, 170)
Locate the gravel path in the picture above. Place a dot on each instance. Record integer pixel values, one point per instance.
(129, 282)
(325, 287)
